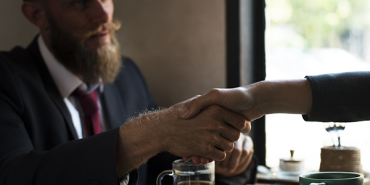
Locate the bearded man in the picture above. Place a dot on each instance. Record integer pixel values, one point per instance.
(69, 109)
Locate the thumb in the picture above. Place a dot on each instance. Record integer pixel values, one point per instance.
(198, 103)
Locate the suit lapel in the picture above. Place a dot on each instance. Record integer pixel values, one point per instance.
(115, 112)
(50, 86)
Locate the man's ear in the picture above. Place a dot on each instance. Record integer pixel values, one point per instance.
(35, 13)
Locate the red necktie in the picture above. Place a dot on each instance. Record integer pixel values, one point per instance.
(89, 103)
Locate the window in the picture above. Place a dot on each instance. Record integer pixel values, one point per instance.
(309, 38)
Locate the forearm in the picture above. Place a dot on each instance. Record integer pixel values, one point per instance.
(209, 134)
(138, 140)
(289, 96)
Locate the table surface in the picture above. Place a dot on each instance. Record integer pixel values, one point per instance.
(276, 178)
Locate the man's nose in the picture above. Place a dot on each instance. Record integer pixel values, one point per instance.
(101, 12)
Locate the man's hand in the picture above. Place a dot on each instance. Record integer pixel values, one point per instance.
(239, 100)
(212, 132)
(238, 159)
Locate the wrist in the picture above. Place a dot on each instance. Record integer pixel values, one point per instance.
(265, 96)
(289, 96)
(142, 129)
(138, 140)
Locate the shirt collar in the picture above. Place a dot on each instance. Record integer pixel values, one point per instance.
(65, 80)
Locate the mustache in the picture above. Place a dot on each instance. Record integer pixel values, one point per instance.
(109, 27)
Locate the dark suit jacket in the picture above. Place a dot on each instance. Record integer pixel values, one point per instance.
(340, 97)
(37, 138)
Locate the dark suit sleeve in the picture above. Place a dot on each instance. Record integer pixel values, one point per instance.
(77, 162)
(341, 97)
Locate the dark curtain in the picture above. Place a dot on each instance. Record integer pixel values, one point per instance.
(233, 58)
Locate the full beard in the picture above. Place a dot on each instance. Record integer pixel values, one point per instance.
(89, 64)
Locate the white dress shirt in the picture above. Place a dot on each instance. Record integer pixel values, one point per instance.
(66, 83)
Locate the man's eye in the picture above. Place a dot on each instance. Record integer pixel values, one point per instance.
(80, 4)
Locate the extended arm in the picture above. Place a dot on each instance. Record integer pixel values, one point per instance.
(342, 97)
(258, 99)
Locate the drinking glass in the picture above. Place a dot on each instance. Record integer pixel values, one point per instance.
(186, 173)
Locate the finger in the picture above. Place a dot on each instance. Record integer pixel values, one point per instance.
(200, 102)
(237, 121)
(223, 145)
(225, 163)
(204, 160)
(245, 163)
(235, 156)
(218, 166)
(220, 169)
(247, 155)
(249, 159)
(196, 160)
(212, 152)
(248, 146)
(186, 159)
(247, 128)
(230, 133)
(218, 154)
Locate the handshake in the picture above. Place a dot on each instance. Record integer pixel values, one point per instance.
(236, 108)
(213, 130)
(209, 127)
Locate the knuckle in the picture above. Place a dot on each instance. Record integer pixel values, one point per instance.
(236, 136)
(214, 125)
(219, 155)
(245, 153)
(213, 138)
(229, 146)
(239, 122)
(238, 151)
(247, 128)
(215, 92)
(222, 156)
(195, 100)
(251, 150)
(242, 123)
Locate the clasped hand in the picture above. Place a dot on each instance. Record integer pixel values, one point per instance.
(237, 100)
(210, 134)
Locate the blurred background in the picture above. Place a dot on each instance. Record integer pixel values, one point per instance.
(178, 45)
(187, 47)
(309, 38)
